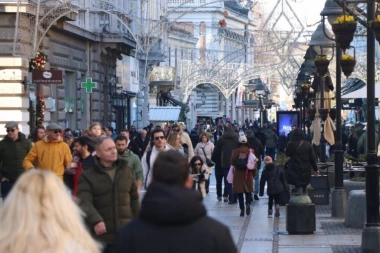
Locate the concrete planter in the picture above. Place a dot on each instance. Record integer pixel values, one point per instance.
(353, 185)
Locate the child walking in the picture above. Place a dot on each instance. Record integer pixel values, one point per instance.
(276, 183)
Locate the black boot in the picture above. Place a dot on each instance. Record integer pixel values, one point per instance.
(256, 197)
(241, 212)
(248, 210)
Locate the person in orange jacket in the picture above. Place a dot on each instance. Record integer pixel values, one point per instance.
(51, 153)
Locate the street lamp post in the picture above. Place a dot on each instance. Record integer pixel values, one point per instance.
(260, 90)
(322, 46)
(339, 202)
(371, 232)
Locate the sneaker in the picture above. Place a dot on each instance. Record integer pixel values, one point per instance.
(225, 199)
(270, 212)
(248, 210)
(219, 198)
(241, 212)
(277, 214)
(256, 197)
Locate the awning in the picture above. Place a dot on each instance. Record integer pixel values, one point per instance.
(362, 93)
(164, 113)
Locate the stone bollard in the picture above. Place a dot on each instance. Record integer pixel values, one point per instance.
(300, 215)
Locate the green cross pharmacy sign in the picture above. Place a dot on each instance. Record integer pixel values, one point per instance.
(89, 85)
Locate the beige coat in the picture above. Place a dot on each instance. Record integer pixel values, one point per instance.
(185, 139)
(209, 148)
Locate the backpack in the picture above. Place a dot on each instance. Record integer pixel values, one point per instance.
(148, 154)
(241, 163)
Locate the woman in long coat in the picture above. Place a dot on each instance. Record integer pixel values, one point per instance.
(302, 160)
(243, 179)
(204, 149)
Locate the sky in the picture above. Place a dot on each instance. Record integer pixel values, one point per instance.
(307, 10)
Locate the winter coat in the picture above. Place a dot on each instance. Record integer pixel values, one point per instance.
(173, 219)
(50, 155)
(275, 178)
(256, 145)
(208, 148)
(114, 202)
(185, 139)
(282, 141)
(216, 157)
(140, 145)
(227, 143)
(240, 184)
(133, 161)
(12, 154)
(304, 155)
(270, 138)
(362, 143)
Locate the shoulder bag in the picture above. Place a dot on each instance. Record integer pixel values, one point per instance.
(208, 161)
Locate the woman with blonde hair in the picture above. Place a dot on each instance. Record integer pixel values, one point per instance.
(40, 216)
(174, 142)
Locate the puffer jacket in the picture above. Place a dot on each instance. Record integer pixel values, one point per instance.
(50, 155)
(303, 152)
(12, 154)
(275, 178)
(113, 202)
(208, 148)
(270, 138)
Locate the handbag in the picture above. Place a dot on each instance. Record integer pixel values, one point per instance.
(208, 161)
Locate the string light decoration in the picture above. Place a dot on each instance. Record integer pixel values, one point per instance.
(40, 110)
(38, 62)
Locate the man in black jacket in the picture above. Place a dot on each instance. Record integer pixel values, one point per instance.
(13, 149)
(226, 143)
(173, 218)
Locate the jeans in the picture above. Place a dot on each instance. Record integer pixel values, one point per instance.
(241, 199)
(6, 187)
(231, 195)
(276, 199)
(219, 182)
(271, 152)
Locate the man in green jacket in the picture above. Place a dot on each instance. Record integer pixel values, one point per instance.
(108, 193)
(132, 159)
(13, 149)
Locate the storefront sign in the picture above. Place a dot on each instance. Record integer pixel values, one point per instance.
(47, 76)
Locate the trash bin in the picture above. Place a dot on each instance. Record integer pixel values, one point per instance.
(321, 190)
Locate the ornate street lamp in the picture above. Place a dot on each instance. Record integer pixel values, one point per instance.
(203, 99)
(260, 90)
(339, 202)
(371, 232)
(324, 47)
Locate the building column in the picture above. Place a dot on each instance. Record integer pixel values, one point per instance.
(233, 105)
(14, 99)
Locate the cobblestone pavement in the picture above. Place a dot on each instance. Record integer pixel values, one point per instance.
(259, 234)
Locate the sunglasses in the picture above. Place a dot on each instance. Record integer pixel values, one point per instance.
(197, 164)
(159, 137)
(57, 131)
(11, 130)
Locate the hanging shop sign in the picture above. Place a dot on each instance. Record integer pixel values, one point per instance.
(47, 76)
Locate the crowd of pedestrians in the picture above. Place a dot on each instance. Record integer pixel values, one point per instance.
(106, 173)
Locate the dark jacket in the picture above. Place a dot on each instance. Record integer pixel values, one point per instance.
(270, 138)
(282, 141)
(216, 157)
(304, 154)
(140, 146)
(173, 219)
(256, 144)
(227, 143)
(115, 203)
(12, 154)
(275, 178)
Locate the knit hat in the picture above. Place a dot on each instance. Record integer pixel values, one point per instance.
(243, 140)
